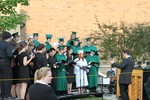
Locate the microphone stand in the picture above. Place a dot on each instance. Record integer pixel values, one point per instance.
(66, 77)
(84, 72)
(80, 77)
(67, 89)
(80, 80)
(60, 63)
(65, 71)
(65, 64)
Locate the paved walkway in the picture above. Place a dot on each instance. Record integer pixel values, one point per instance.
(110, 97)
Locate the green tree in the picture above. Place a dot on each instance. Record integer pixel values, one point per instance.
(9, 18)
(112, 38)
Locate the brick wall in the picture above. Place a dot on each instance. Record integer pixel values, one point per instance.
(60, 17)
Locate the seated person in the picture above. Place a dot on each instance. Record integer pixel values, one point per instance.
(111, 72)
(112, 75)
(41, 90)
(148, 66)
(139, 65)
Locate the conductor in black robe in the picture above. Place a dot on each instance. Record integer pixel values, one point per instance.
(125, 75)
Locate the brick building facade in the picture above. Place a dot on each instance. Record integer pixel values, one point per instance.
(60, 17)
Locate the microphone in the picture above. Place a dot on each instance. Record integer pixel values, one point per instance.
(65, 71)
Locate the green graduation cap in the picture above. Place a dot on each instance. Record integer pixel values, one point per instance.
(48, 36)
(75, 39)
(15, 34)
(35, 34)
(88, 39)
(61, 39)
(74, 33)
(60, 47)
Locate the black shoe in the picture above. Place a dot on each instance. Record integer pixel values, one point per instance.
(10, 98)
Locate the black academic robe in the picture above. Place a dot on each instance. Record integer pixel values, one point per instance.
(40, 91)
(51, 61)
(39, 61)
(70, 70)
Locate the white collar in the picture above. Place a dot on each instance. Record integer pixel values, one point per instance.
(91, 55)
(41, 82)
(128, 56)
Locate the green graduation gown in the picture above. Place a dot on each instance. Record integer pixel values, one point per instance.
(68, 43)
(76, 49)
(93, 71)
(61, 78)
(36, 43)
(48, 46)
(88, 48)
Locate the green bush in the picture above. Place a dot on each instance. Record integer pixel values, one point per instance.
(112, 38)
(9, 18)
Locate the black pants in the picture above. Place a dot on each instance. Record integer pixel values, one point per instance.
(5, 73)
(124, 91)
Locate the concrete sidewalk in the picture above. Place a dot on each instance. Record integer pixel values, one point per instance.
(109, 97)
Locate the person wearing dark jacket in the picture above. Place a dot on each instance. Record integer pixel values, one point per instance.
(23, 61)
(41, 90)
(125, 75)
(70, 69)
(40, 59)
(13, 43)
(52, 61)
(5, 65)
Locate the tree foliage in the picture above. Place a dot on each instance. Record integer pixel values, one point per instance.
(112, 38)
(9, 18)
